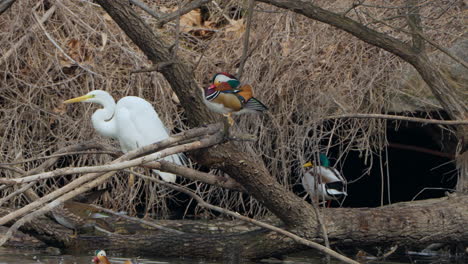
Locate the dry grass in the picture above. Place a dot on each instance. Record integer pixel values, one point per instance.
(302, 69)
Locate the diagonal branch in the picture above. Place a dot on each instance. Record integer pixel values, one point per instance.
(5, 4)
(182, 11)
(414, 21)
(92, 180)
(349, 25)
(245, 49)
(295, 237)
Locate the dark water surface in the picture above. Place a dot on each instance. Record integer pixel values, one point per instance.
(28, 256)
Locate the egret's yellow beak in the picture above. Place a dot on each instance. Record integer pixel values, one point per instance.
(308, 164)
(78, 99)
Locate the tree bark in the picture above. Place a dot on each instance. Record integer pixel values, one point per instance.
(414, 224)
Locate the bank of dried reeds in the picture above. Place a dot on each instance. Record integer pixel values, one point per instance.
(302, 69)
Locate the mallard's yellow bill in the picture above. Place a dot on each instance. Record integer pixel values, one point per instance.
(78, 99)
(308, 164)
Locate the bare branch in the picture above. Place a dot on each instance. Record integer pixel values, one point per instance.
(225, 182)
(138, 220)
(182, 11)
(423, 150)
(355, 28)
(75, 188)
(5, 4)
(110, 152)
(71, 190)
(352, 7)
(60, 48)
(19, 191)
(146, 8)
(402, 118)
(203, 143)
(414, 21)
(245, 49)
(158, 67)
(26, 36)
(296, 238)
(444, 50)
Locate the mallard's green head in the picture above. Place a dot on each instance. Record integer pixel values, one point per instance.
(324, 160)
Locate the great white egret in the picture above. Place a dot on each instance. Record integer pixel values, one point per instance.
(323, 182)
(132, 121)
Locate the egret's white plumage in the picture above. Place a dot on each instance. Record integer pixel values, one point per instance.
(132, 121)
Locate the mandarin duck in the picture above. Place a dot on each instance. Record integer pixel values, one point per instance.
(80, 216)
(226, 95)
(101, 258)
(323, 182)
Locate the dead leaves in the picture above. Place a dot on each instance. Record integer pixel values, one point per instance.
(191, 20)
(235, 29)
(76, 52)
(194, 24)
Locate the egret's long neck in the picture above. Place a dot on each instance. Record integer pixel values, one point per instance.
(103, 119)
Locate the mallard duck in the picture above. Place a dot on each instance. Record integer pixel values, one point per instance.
(226, 95)
(323, 182)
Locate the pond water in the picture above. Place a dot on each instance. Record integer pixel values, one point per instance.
(29, 256)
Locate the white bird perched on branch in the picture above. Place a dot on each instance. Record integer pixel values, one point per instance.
(132, 121)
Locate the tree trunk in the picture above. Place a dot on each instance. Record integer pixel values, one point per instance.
(415, 224)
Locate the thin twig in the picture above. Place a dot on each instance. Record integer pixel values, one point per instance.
(402, 118)
(207, 142)
(245, 48)
(110, 152)
(146, 8)
(69, 191)
(444, 50)
(99, 178)
(414, 22)
(60, 48)
(322, 226)
(5, 4)
(353, 6)
(166, 166)
(138, 220)
(15, 169)
(182, 11)
(19, 191)
(26, 36)
(221, 10)
(158, 67)
(296, 238)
